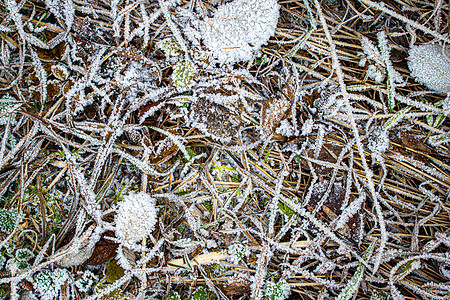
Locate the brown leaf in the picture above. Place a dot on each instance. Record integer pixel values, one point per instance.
(238, 285)
(275, 110)
(215, 120)
(54, 88)
(50, 55)
(407, 143)
(104, 250)
(332, 208)
(25, 284)
(324, 155)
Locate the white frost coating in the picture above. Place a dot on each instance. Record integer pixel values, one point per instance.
(239, 28)
(375, 74)
(48, 283)
(238, 252)
(378, 141)
(136, 217)
(430, 66)
(277, 291)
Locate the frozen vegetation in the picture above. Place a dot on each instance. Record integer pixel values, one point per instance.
(226, 149)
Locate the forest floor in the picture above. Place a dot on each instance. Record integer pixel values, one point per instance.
(140, 158)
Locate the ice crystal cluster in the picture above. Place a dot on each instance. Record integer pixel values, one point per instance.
(170, 47)
(48, 283)
(378, 141)
(277, 291)
(430, 66)
(183, 74)
(239, 28)
(86, 281)
(5, 104)
(8, 219)
(136, 217)
(238, 252)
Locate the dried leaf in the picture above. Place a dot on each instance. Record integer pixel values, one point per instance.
(274, 111)
(215, 120)
(103, 251)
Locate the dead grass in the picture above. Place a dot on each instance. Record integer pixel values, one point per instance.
(68, 152)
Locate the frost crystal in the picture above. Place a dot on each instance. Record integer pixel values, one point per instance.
(170, 47)
(8, 219)
(86, 281)
(183, 74)
(239, 28)
(238, 252)
(22, 257)
(378, 141)
(375, 74)
(430, 66)
(215, 120)
(277, 291)
(5, 109)
(48, 283)
(2, 261)
(136, 217)
(173, 295)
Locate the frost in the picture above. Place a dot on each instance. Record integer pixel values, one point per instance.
(22, 257)
(173, 295)
(393, 77)
(6, 109)
(307, 127)
(85, 282)
(378, 141)
(355, 281)
(445, 270)
(183, 73)
(277, 291)
(75, 258)
(136, 217)
(430, 66)
(60, 72)
(170, 47)
(286, 129)
(186, 243)
(5, 29)
(8, 219)
(330, 101)
(238, 252)
(2, 261)
(48, 283)
(239, 28)
(273, 112)
(374, 73)
(221, 171)
(214, 120)
(20, 260)
(380, 296)
(201, 293)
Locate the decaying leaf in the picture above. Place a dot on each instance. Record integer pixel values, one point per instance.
(103, 251)
(328, 154)
(113, 271)
(237, 285)
(332, 208)
(202, 259)
(274, 111)
(215, 120)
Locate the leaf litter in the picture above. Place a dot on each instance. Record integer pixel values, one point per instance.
(224, 149)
